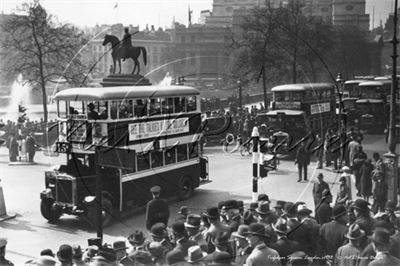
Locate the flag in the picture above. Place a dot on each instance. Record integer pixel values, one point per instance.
(116, 5)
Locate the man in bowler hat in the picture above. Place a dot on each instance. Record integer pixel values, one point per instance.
(381, 244)
(157, 210)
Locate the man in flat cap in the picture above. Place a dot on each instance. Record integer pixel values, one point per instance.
(157, 209)
(3, 260)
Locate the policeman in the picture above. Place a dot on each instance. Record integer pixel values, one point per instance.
(157, 210)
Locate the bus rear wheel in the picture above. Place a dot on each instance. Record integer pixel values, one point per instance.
(185, 188)
(46, 208)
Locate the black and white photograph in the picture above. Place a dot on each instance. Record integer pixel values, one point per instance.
(199, 132)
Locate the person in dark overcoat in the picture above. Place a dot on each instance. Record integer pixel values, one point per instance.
(302, 161)
(30, 147)
(157, 210)
(332, 234)
(323, 212)
(319, 186)
(363, 219)
(12, 145)
(358, 161)
(284, 246)
(179, 252)
(366, 181)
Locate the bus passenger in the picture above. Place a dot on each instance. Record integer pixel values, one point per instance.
(92, 114)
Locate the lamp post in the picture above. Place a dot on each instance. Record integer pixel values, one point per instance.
(391, 158)
(240, 96)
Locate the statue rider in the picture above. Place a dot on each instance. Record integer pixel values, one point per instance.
(126, 43)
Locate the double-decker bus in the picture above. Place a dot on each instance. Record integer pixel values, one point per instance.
(373, 104)
(351, 93)
(136, 137)
(298, 109)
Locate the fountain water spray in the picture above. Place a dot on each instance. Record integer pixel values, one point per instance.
(20, 95)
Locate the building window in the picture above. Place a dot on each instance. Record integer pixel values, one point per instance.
(183, 39)
(349, 7)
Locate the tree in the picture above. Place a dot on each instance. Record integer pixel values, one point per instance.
(41, 49)
(252, 43)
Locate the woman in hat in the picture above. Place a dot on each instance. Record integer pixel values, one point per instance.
(343, 193)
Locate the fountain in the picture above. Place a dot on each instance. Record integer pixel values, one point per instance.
(20, 95)
(166, 81)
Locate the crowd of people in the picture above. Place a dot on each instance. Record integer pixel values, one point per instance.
(263, 233)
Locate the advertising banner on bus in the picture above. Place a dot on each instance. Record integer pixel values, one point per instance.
(158, 128)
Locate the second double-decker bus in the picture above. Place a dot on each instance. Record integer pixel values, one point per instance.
(137, 137)
(298, 109)
(373, 104)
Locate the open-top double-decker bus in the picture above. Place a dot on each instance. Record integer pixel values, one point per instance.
(147, 135)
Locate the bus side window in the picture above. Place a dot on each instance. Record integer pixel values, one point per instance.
(129, 108)
(143, 161)
(177, 104)
(170, 156)
(141, 107)
(114, 109)
(156, 159)
(182, 152)
(103, 110)
(183, 104)
(167, 106)
(154, 107)
(191, 103)
(62, 109)
(193, 150)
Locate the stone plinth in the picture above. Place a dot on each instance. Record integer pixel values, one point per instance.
(113, 80)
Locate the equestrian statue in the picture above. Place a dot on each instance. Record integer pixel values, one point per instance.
(124, 49)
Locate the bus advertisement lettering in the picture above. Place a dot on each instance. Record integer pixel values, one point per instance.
(158, 128)
(318, 108)
(288, 105)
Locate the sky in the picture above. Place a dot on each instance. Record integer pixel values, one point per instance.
(151, 12)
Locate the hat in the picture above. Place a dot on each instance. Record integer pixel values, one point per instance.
(263, 208)
(289, 209)
(178, 228)
(158, 230)
(386, 225)
(303, 210)
(45, 260)
(119, 245)
(65, 253)
(183, 210)
(98, 261)
(95, 241)
(92, 250)
(280, 204)
(195, 254)
(136, 238)
(263, 197)
(361, 204)
(253, 206)
(77, 251)
(155, 189)
(320, 175)
(230, 204)
(108, 253)
(212, 212)
(3, 242)
(355, 232)
(221, 258)
(390, 205)
(142, 257)
(240, 204)
(193, 221)
(280, 226)
(47, 252)
(156, 249)
(220, 205)
(256, 229)
(241, 232)
(338, 211)
(342, 179)
(381, 236)
(345, 168)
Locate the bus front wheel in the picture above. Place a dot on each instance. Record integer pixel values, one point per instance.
(185, 188)
(46, 208)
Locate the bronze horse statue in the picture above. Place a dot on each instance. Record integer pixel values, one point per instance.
(118, 51)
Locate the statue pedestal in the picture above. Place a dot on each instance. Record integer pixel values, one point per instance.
(113, 80)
